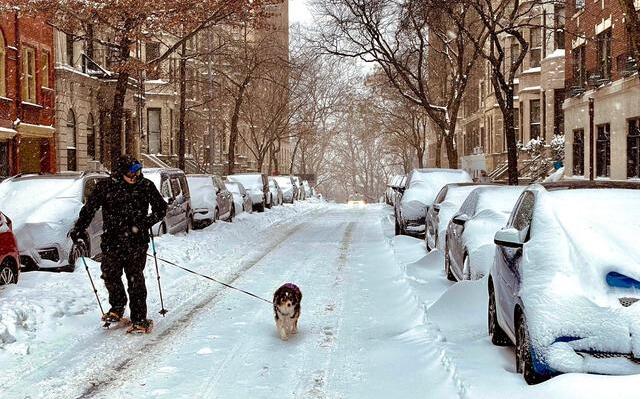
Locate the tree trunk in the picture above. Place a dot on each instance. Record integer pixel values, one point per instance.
(510, 137)
(450, 147)
(117, 112)
(439, 150)
(291, 165)
(420, 151)
(181, 116)
(233, 131)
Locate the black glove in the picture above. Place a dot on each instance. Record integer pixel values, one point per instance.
(75, 234)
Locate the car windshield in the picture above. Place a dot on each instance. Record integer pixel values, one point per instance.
(501, 199)
(283, 181)
(199, 182)
(249, 181)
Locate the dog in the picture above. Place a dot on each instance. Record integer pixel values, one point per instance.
(287, 300)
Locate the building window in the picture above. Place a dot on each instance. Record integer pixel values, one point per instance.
(69, 49)
(603, 150)
(153, 134)
(44, 69)
(71, 141)
(559, 25)
(559, 97)
(578, 61)
(91, 138)
(578, 148)
(535, 119)
(152, 51)
(604, 54)
(535, 47)
(3, 87)
(633, 148)
(29, 75)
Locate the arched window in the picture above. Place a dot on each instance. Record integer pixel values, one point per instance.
(72, 163)
(3, 83)
(91, 138)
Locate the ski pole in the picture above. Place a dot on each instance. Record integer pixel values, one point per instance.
(95, 291)
(163, 311)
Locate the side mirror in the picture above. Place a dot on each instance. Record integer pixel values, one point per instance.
(508, 237)
(460, 219)
(436, 207)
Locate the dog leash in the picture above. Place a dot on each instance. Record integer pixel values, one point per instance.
(211, 278)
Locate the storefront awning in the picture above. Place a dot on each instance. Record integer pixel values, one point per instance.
(6, 133)
(39, 131)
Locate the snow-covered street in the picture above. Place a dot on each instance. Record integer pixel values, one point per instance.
(379, 320)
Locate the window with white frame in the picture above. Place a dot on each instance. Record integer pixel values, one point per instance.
(29, 74)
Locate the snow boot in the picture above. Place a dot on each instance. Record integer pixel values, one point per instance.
(114, 315)
(141, 327)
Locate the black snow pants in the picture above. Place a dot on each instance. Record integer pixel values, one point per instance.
(132, 261)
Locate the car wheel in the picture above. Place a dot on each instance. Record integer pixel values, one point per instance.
(8, 274)
(162, 230)
(271, 202)
(448, 268)
(190, 224)
(216, 215)
(524, 363)
(78, 250)
(260, 207)
(397, 227)
(498, 336)
(232, 213)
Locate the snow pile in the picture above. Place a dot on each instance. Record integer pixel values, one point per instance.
(423, 187)
(577, 238)
(492, 211)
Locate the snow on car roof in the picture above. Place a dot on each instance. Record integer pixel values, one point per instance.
(425, 184)
(497, 198)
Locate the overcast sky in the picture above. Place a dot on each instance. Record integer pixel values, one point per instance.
(299, 12)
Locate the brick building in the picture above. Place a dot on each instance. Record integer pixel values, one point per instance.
(603, 69)
(27, 96)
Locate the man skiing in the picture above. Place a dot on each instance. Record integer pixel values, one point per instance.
(125, 201)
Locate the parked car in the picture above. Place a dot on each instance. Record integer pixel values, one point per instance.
(242, 201)
(275, 191)
(257, 187)
(419, 193)
(393, 183)
(299, 188)
(308, 189)
(172, 184)
(286, 184)
(210, 199)
(469, 240)
(564, 286)
(43, 208)
(447, 203)
(9, 255)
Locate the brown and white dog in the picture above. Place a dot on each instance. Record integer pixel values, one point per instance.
(287, 309)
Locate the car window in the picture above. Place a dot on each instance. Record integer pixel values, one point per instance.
(441, 195)
(165, 191)
(184, 187)
(522, 216)
(175, 186)
(469, 205)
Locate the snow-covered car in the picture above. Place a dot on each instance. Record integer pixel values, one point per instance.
(447, 203)
(419, 193)
(257, 187)
(300, 195)
(469, 238)
(564, 286)
(308, 189)
(276, 192)
(242, 201)
(173, 186)
(287, 187)
(393, 184)
(210, 199)
(9, 255)
(43, 208)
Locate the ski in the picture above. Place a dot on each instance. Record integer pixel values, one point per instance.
(141, 329)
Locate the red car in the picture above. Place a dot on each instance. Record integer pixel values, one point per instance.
(9, 264)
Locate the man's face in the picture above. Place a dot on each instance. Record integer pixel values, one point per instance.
(133, 173)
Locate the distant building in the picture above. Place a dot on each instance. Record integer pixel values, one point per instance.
(27, 97)
(602, 67)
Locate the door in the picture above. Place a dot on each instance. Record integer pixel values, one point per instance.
(177, 221)
(509, 259)
(154, 132)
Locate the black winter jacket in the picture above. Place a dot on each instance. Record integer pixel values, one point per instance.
(125, 212)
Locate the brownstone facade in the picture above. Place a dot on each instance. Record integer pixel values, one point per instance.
(27, 96)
